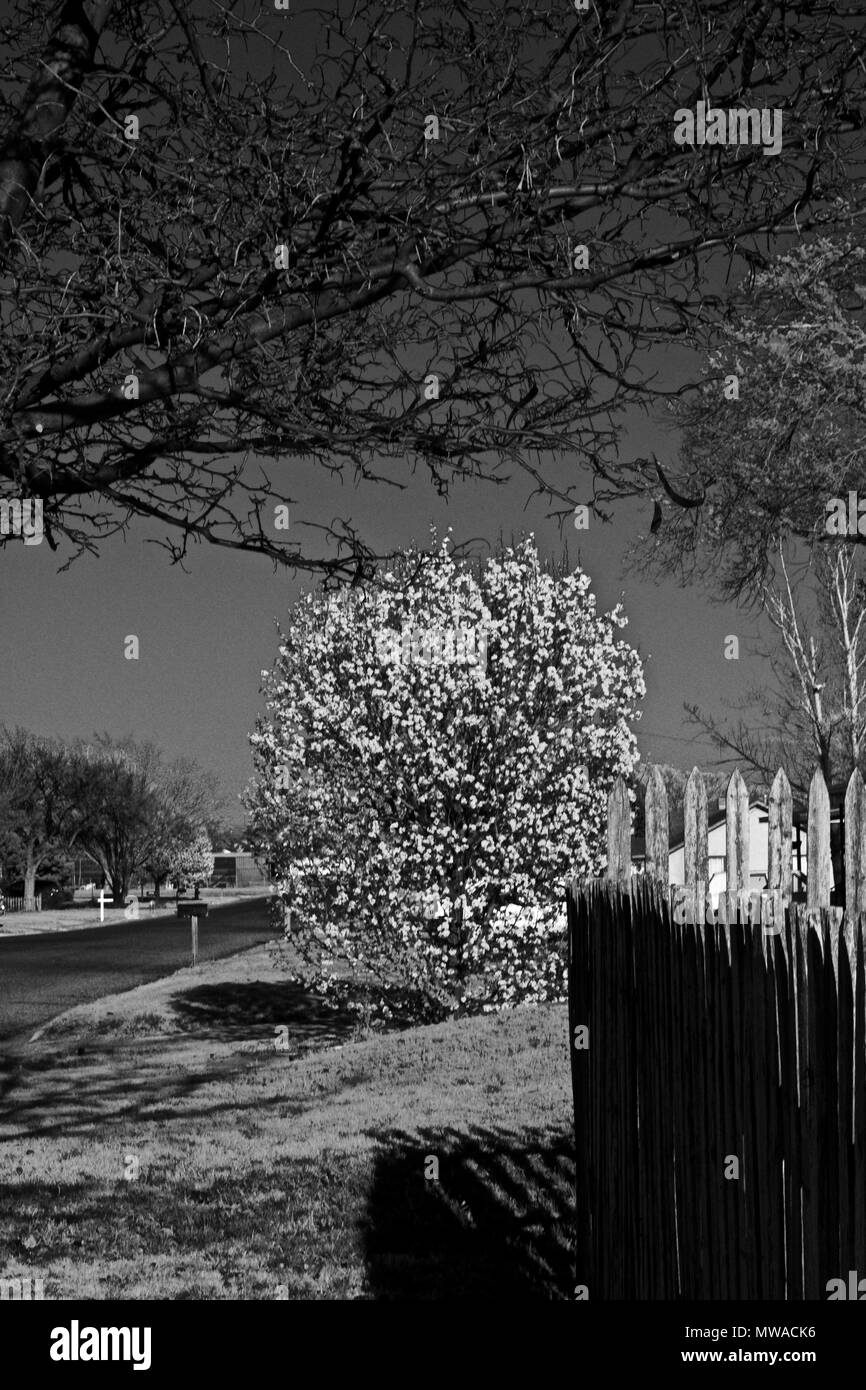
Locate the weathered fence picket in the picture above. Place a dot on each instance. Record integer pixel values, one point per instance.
(779, 835)
(855, 845)
(696, 835)
(737, 834)
(656, 809)
(618, 834)
(819, 876)
(719, 1060)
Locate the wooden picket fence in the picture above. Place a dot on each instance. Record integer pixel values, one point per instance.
(719, 1061)
(17, 904)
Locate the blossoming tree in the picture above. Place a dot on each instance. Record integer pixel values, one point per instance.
(190, 863)
(423, 808)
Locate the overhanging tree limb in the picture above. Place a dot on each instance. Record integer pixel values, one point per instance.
(47, 102)
(154, 259)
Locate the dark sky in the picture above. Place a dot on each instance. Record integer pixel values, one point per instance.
(206, 635)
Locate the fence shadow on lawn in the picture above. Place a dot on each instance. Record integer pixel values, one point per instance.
(498, 1222)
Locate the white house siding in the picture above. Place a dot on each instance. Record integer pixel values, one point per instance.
(758, 854)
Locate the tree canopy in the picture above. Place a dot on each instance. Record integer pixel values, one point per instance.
(371, 239)
(762, 466)
(121, 801)
(41, 819)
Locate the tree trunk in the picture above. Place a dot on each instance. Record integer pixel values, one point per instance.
(825, 757)
(157, 887)
(119, 890)
(29, 886)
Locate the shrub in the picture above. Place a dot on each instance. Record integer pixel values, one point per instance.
(425, 799)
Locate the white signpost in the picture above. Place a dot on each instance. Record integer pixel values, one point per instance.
(131, 910)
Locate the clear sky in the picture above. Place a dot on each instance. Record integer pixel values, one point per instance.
(206, 635)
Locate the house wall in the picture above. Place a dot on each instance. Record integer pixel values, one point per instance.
(250, 873)
(241, 870)
(758, 854)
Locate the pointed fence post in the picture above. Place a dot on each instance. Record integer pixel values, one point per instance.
(657, 828)
(696, 837)
(819, 870)
(737, 834)
(855, 846)
(618, 834)
(779, 833)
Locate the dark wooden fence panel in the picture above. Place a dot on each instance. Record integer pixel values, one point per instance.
(719, 1064)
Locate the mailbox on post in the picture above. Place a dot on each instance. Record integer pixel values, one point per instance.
(193, 909)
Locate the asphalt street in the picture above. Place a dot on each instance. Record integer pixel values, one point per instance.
(41, 976)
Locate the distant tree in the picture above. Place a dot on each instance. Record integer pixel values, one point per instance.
(191, 864)
(675, 779)
(228, 834)
(187, 798)
(813, 709)
(120, 807)
(40, 812)
(157, 863)
(759, 469)
(137, 806)
(675, 783)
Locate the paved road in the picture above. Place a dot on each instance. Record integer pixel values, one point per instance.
(40, 976)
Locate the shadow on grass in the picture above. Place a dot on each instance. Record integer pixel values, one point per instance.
(43, 1092)
(231, 1011)
(498, 1222)
(258, 1006)
(68, 1101)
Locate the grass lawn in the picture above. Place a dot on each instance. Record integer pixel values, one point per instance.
(219, 1134)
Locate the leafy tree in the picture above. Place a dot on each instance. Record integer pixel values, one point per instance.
(424, 800)
(187, 799)
(40, 816)
(157, 865)
(136, 805)
(231, 239)
(228, 834)
(120, 808)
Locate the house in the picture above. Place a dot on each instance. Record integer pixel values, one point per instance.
(239, 869)
(716, 845)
